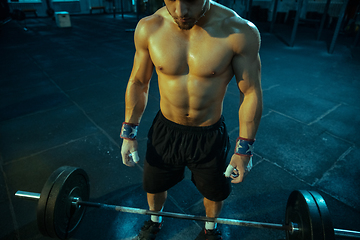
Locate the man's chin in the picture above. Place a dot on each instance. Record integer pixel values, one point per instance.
(183, 26)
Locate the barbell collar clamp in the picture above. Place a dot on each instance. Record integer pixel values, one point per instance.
(75, 202)
(294, 228)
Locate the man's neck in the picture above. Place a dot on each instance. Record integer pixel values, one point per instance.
(204, 19)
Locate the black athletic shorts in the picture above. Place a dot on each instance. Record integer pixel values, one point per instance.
(172, 147)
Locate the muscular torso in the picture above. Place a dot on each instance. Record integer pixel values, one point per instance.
(194, 69)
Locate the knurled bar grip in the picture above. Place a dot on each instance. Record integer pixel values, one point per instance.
(187, 216)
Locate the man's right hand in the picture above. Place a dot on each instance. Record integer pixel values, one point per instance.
(129, 152)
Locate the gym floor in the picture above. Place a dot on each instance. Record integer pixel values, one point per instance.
(62, 103)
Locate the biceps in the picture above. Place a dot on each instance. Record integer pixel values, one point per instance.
(142, 68)
(248, 73)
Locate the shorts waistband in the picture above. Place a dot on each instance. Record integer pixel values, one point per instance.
(168, 123)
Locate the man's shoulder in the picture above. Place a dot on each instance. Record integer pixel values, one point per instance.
(230, 20)
(241, 32)
(152, 22)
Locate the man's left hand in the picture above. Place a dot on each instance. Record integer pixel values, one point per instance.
(240, 166)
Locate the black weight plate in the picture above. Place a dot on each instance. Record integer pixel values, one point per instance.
(302, 210)
(62, 218)
(44, 195)
(327, 225)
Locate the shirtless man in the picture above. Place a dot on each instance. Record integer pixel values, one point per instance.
(196, 47)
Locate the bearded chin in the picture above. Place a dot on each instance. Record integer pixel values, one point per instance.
(188, 26)
(185, 26)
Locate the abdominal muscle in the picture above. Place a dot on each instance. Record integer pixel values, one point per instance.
(190, 100)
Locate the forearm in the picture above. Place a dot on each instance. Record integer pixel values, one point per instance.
(249, 120)
(136, 98)
(135, 102)
(250, 115)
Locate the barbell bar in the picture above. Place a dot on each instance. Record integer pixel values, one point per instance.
(77, 202)
(62, 202)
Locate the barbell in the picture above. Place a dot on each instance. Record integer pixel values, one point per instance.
(62, 202)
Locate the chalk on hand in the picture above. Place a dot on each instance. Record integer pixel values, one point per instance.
(134, 156)
(249, 166)
(229, 170)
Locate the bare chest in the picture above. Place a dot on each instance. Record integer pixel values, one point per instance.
(202, 55)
